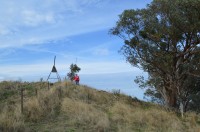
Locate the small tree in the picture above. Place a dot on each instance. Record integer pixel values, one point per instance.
(73, 70)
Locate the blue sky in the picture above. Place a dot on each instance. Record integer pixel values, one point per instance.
(32, 32)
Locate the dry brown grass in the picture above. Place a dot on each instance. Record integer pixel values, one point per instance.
(129, 118)
(67, 107)
(192, 121)
(47, 103)
(11, 119)
(82, 114)
(88, 95)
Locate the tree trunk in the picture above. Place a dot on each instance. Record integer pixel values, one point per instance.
(170, 98)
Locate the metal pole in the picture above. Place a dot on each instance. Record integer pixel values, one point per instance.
(54, 60)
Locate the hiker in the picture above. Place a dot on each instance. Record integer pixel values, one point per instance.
(76, 79)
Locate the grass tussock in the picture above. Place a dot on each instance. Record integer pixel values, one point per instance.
(11, 119)
(66, 107)
(85, 115)
(137, 119)
(46, 104)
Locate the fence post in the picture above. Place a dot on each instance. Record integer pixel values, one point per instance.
(36, 91)
(60, 92)
(48, 85)
(22, 102)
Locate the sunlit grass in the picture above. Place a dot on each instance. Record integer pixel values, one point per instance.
(68, 107)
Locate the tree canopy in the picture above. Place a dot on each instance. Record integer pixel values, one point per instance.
(73, 70)
(163, 39)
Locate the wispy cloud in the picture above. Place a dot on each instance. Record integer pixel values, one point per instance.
(33, 18)
(35, 21)
(23, 70)
(105, 67)
(101, 51)
(32, 31)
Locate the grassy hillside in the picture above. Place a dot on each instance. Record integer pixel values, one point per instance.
(69, 108)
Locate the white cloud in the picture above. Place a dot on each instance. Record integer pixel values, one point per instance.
(31, 22)
(35, 21)
(33, 18)
(72, 5)
(105, 67)
(43, 69)
(101, 51)
(4, 30)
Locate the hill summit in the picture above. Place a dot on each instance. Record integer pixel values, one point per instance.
(65, 107)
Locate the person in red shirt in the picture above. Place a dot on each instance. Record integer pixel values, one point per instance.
(76, 79)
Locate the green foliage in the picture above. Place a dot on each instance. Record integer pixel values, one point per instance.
(5, 94)
(30, 89)
(116, 92)
(7, 90)
(73, 70)
(163, 39)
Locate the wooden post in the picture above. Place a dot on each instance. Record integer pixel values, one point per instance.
(36, 92)
(59, 92)
(48, 85)
(88, 96)
(22, 102)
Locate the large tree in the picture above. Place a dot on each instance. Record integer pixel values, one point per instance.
(163, 39)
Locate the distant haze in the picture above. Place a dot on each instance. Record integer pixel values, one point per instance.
(114, 81)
